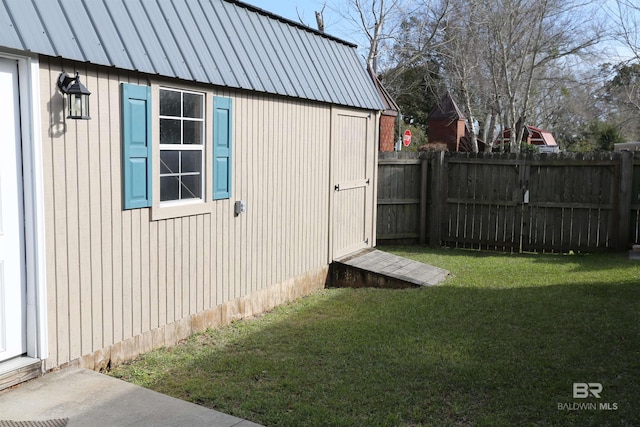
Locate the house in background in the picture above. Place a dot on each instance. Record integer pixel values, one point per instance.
(448, 126)
(229, 158)
(388, 117)
(533, 135)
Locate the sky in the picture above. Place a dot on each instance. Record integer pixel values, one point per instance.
(338, 26)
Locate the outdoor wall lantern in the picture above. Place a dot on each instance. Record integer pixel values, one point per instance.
(77, 96)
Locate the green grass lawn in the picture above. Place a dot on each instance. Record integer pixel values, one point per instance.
(500, 343)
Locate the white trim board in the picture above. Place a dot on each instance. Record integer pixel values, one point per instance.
(33, 188)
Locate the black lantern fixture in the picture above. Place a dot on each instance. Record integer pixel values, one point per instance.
(77, 96)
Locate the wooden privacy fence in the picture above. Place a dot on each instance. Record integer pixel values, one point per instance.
(508, 202)
(401, 201)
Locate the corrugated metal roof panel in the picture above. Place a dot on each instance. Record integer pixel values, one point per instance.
(301, 56)
(330, 57)
(363, 82)
(129, 36)
(216, 62)
(247, 45)
(145, 33)
(183, 42)
(226, 50)
(278, 61)
(32, 33)
(347, 60)
(237, 49)
(77, 28)
(106, 30)
(66, 46)
(323, 69)
(168, 44)
(208, 67)
(255, 30)
(221, 42)
(10, 33)
(278, 45)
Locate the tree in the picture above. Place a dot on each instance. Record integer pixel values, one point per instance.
(523, 39)
(414, 79)
(598, 135)
(461, 60)
(621, 93)
(373, 19)
(412, 87)
(568, 103)
(626, 31)
(506, 61)
(606, 135)
(499, 58)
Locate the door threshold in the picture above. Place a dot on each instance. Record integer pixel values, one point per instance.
(19, 369)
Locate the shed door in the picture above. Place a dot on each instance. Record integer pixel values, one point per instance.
(12, 252)
(352, 170)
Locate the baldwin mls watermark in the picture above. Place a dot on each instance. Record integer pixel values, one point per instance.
(587, 391)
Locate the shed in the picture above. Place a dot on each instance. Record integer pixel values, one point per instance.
(631, 146)
(230, 157)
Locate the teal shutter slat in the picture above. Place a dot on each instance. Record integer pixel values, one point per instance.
(222, 148)
(136, 146)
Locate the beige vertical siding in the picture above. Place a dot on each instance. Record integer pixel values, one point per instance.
(116, 275)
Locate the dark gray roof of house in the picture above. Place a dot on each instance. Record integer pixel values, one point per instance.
(222, 42)
(446, 109)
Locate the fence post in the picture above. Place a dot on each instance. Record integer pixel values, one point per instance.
(437, 205)
(423, 201)
(624, 194)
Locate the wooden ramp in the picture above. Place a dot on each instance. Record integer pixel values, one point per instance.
(374, 268)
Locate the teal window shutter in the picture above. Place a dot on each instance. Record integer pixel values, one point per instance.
(222, 147)
(136, 146)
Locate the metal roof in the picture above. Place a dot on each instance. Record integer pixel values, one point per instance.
(391, 107)
(221, 42)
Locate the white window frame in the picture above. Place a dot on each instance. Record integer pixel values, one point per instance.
(186, 147)
(181, 208)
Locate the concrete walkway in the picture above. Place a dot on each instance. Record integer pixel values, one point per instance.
(79, 397)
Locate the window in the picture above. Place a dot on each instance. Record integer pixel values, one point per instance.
(181, 145)
(171, 170)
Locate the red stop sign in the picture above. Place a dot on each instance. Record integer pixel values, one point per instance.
(406, 140)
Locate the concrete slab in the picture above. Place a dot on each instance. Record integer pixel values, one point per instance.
(80, 397)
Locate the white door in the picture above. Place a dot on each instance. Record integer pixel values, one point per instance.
(12, 250)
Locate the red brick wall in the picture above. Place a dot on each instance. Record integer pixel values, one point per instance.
(387, 133)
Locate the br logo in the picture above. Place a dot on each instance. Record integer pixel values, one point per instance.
(584, 390)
